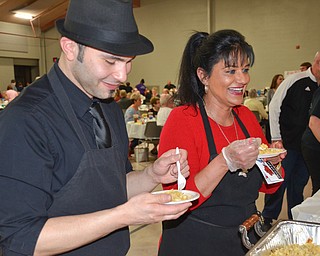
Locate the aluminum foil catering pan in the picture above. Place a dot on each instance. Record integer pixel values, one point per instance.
(286, 232)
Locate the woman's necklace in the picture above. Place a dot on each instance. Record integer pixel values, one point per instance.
(224, 135)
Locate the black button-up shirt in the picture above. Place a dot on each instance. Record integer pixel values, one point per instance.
(40, 153)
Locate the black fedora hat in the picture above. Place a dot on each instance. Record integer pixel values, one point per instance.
(106, 25)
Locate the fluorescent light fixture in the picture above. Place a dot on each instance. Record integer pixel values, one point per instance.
(23, 15)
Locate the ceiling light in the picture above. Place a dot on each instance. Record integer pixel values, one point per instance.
(22, 15)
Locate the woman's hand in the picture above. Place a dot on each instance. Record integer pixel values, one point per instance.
(242, 154)
(276, 159)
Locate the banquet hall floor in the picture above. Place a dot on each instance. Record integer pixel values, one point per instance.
(144, 239)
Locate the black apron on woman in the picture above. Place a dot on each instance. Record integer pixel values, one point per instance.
(98, 184)
(212, 228)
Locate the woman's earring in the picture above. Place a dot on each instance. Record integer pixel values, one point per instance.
(206, 89)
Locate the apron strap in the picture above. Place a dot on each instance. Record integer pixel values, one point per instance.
(66, 105)
(210, 139)
(243, 128)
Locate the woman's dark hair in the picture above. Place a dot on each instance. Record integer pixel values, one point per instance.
(274, 84)
(204, 51)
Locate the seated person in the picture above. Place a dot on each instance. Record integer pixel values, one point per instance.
(154, 92)
(128, 116)
(166, 105)
(134, 108)
(10, 94)
(155, 103)
(124, 102)
(254, 104)
(257, 107)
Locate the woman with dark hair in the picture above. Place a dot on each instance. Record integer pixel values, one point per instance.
(222, 138)
(276, 81)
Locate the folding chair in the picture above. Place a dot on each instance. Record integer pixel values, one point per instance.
(152, 133)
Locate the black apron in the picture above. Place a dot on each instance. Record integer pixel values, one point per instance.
(212, 229)
(98, 184)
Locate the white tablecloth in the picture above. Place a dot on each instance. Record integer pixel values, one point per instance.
(136, 130)
(308, 210)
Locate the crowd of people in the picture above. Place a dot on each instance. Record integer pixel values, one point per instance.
(12, 91)
(52, 199)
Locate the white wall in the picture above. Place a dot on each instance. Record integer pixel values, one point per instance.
(168, 24)
(16, 41)
(51, 44)
(273, 28)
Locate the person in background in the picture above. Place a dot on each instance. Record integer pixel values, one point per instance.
(254, 104)
(13, 84)
(124, 102)
(288, 118)
(311, 136)
(126, 87)
(166, 106)
(275, 83)
(214, 74)
(67, 193)
(116, 96)
(148, 96)
(129, 116)
(155, 106)
(304, 66)
(19, 87)
(169, 86)
(10, 94)
(258, 109)
(165, 91)
(133, 109)
(141, 87)
(154, 92)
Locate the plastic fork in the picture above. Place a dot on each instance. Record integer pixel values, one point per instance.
(181, 178)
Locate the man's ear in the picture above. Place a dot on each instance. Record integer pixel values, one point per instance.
(69, 48)
(202, 75)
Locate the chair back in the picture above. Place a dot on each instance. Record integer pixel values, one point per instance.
(152, 130)
(256, 113)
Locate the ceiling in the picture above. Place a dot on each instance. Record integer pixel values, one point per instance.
(44, 12)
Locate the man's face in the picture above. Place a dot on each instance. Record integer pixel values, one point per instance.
(99, 73)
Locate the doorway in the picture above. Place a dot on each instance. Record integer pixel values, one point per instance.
(25, 71)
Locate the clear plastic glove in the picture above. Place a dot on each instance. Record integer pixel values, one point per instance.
(241, 154)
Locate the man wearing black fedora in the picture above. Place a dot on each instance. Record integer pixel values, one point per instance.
(72, 191)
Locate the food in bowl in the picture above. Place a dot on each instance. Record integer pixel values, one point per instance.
(177, 195)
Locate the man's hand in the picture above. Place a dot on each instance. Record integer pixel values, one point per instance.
(148, 208)
(164, 169)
